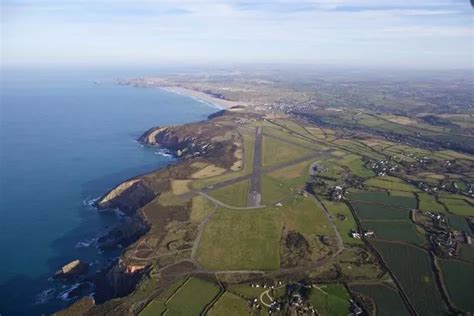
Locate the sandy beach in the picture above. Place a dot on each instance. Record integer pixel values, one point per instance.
(199, 95)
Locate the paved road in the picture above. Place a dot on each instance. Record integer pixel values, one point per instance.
(254, 196)
(216, 201)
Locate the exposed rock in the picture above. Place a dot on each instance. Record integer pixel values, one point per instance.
(130, 230)
(72, 269)
(120, 280)
(127, 196)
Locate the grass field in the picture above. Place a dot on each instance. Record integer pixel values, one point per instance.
(384, 199)
(330, 299)
(241, 240)
(458, 278)
(457, 205)
(158, 305)
(233, 195)
(467, 253)
(245, 290)
(429, 203)
(303, 215)
(276, 152)
(412, 267)
(229, 304)
(367, 211)
(201, 207)
(387, 301)
(395, 230)
(192, 297)
(355, 165)
(344, 226)
(274, 190)
(459, 223)
(401, 193)
(391, 183)
(279, 184)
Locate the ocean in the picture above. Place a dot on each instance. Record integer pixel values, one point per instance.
(66, 137)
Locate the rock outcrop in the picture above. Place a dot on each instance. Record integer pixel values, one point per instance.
(71, 270)
(126, 233)
(120, 280)
(127, 196)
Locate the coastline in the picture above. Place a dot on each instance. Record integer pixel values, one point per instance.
(203, 97)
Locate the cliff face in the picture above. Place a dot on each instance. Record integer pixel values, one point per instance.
(127, 196)
(214, 142)
(183, 142)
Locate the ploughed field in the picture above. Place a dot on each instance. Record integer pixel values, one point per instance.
(297, 216)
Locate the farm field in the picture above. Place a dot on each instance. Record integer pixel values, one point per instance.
(330, 299)
(391, 183)
(459, 223)
(382, 198)
(192, 297)
(457, 205)
(418, 281)
(395, 230)
(466, 253)
(458, 278)
(387, 300)
(158, 305)
(229, 304)
(258, 234)
(429, 203)
(367, 211)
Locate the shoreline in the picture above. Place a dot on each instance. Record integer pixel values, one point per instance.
(197, 95)
(203, 97)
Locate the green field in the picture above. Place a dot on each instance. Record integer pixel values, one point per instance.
(278, 185)
(355, 165)
(395, 230)
(276, 152)
(233, 195)
(457, 206)
(241, 240)
(459, 223)
(458, 277)
(330, 299)
(192, 297)
(467, 253)
(245, 290)
(229, 304)
(158, 305)
(378, 212)
(344, 226)
(387, 300)
(302, 214)
(383, 198)
(429, 203)
(391, 183)
(412, 267)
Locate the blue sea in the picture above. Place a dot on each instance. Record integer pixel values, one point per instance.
(66, 137)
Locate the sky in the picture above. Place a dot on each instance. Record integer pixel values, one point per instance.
(397, 33)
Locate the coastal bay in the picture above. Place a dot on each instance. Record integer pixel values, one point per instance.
(68, 137)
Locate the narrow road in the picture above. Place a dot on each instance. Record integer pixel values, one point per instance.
(230, 206)
(254, 196)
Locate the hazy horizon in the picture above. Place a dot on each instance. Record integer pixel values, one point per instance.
(367, 33)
